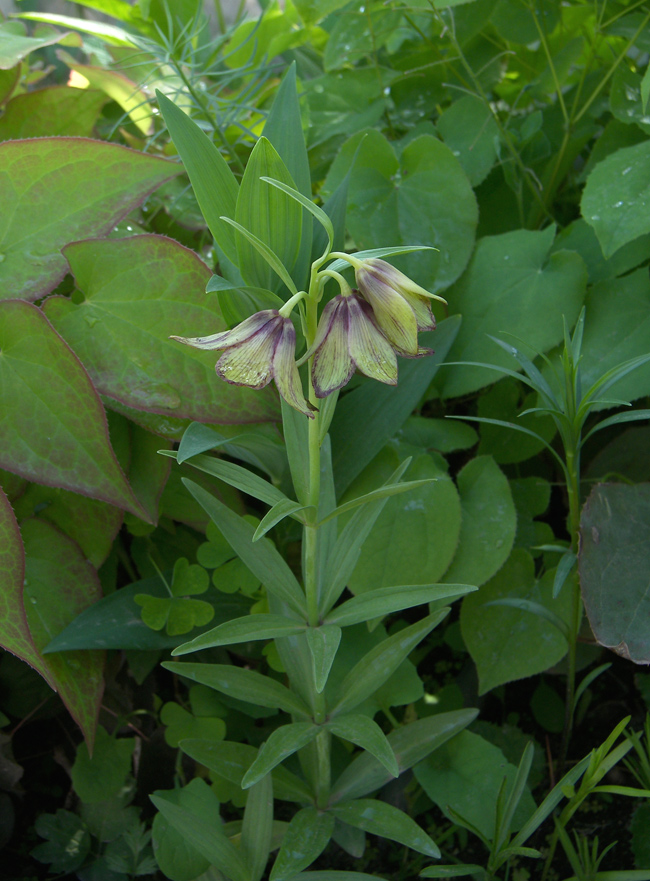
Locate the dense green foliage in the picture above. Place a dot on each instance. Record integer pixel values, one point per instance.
(405, 621)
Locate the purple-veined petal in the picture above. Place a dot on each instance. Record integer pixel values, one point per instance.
(251, 362)
(239, 334)
(333, 367)
(285, 371)
(422, 309)
(369, 349)
(393, 315)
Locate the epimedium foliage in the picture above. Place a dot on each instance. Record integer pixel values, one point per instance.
(494, 152)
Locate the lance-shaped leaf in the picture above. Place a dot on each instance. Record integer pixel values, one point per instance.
(386, 600)
(261, 558)
(205, 836)
(59, 439)
(245, 685)
(364, 732)
(61, 190)
(380, 818)
(269, 214)
(231, 760)
(240, 478)
(375, 668)
(257, 827)
(383, 492)
(282, 743)
(410, 744)
(214, 184)
(252, 627)
(306, 838)
(59, 584)
(323, 642)
(137, 292)
(283, 508)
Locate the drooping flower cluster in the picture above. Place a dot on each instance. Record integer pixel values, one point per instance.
(358, 330)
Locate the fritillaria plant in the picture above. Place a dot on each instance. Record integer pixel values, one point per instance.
(363, 329)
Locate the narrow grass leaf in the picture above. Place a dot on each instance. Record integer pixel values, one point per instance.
(252, 627)
(387, 600)
(283, 508)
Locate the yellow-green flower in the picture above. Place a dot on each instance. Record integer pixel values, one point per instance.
(348, 339)
(401, 307)
(261, 348)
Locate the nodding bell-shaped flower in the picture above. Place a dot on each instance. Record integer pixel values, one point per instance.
(401, 307)
(348, 339)
(261, 348)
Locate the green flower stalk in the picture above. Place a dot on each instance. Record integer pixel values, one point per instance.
(261, 348)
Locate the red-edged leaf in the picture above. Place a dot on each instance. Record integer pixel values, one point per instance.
(59, 585)
(56, 190)
(14, 632)
(139, 291)
(54, 428)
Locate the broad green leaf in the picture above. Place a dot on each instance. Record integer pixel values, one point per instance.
(452, 871)
(115, 622)
(9, 79)
(364, 732)
(62, 440)
(343, 103)
(261, 558)
(387, 821)
(269, 214)
(626, 98)
(614, 565)
(306, 838)
(469, 129)
(101, 776)
(15, 45)
(58, 110)
(424, 197)
(240, 478)
(14, 631)
(214, 184)
(416, 535)
(176, 857)
(441, 435)
(323, 644)
(148, 473)
(68, 841)
(91, 524)
(579, 236)
(310, 206)
(59, 584)
(245, 685)
(386, 600)
(613, 194)
(488, 523)
(260, 626)
(355, 442)
(282, 509)
(231, 760)
(509, 643)
(380, 662)
(465, 775)
(344, 555)
(136, 293)
(201, 832)
(507, 400)
(181, 724)
(513, 285)
(257, 827)
(61, 190)
(617, 328)
(313, 11)
(118, 88)
(281, 743)
(410, 744)
(519, 24)
(349, 40)
(283, 128)
(333, 875)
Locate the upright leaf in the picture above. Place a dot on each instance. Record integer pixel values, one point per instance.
(257, 828)
(323, 642)
(61, 190)
(214, 184)
(269, 214)
(281, 743)
(61, 439)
